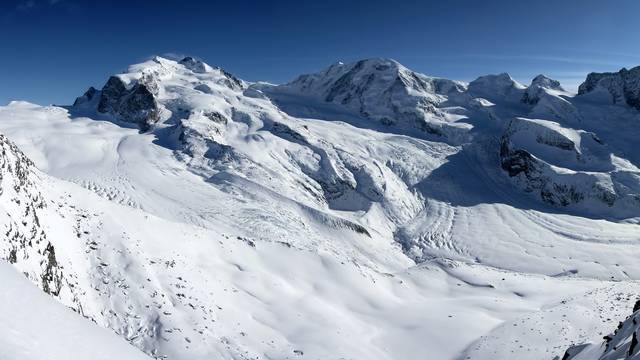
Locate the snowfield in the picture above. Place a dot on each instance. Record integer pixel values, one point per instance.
(34, 327)
(361, 212)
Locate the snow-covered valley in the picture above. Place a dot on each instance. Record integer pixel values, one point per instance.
(362, 212)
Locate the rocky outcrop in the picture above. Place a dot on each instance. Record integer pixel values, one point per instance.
(530, 172)
(136, 105)
(25, 242)
(562, 167)
(140, 95)
(87, 97)
(623, 86)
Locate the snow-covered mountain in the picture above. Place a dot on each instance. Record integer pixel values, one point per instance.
(364, 211)
(622, 87)
(382, 91)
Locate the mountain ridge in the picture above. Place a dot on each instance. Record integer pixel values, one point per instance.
(466, 196)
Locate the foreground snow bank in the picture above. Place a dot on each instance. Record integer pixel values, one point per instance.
(35, 327)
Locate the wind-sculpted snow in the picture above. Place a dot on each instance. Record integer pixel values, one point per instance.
(365, 211)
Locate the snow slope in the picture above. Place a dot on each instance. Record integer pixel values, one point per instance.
(365, 211)
(621, 344)
(39, 328)
(179, 291)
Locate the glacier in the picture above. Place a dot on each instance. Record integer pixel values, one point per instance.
(363, 211)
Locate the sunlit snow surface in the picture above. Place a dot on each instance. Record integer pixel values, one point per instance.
(252, 258)
(34, 327)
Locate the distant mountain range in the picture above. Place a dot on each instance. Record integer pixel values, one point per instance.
(365, 211)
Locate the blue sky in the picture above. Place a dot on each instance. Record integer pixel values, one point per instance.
(52, 50)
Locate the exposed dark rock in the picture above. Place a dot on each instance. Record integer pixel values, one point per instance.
(25, 243)
(193, 143)
(216, 117)
(12, 256)
(519, 163)
(137, 105)
(516, 161)
(112, 92)
(561, 143)
(633, 345)
(194, 65)
(232, 81)
(288, 133)
(624, 85)
(86, 97)
(51, 276)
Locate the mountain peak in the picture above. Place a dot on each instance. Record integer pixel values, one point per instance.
(197, 66)
(496, 87)
(546, 82)
(378, 89)
(623, 86)
(142, 93)
(498, 79)
(538, 88)
(375, 65)
(385, 72)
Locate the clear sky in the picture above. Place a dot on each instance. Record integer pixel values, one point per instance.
(52, 50)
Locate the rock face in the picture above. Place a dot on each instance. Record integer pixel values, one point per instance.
(562, 166)
(137, 96)
(533, 175)
(26, 244)
(136, 105)
(623, 86)
(87, 97)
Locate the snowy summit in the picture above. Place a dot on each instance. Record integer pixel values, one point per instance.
(365, 211)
